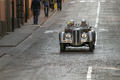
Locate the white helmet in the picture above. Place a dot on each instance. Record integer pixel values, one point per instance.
(72, 21)
(83, 20)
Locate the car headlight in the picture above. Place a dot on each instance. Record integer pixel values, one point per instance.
(68, 35)
(84, 35)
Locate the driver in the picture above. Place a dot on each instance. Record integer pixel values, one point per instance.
(83, 23)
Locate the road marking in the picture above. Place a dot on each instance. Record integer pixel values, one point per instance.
(97, 19)
(49, 31)
(96, 39)
(86, 1)
(92, 1)
(103, 1)
(89, 73)
(113, 1)
(44, 26)
(82, 1)
(72, 2)
(102, 30)
(109, 68)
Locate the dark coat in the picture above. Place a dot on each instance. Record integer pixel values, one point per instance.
(46, 1)
(35, 6)
(59, 0)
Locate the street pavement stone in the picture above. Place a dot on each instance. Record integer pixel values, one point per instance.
(12, 40)
(42, 60)
(105, 73)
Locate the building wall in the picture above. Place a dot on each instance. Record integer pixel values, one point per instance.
(30, 12)
(15, 15)
(24, 8)
(2, 9)
(6, 14)
(2, 18)
(9, 15)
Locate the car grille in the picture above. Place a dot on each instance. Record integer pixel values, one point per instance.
(76, 37)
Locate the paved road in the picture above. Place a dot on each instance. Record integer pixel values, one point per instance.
(42, 59)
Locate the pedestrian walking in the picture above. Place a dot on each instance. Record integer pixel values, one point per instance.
(46, 7)
(59, 4)
(52, 4)
(35, 7)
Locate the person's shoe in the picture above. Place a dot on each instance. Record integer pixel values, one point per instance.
(58, 9)
(52, 10)
(45, 15)
(34, 23)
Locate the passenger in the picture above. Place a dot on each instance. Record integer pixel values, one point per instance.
(71, 22)
(68, 24)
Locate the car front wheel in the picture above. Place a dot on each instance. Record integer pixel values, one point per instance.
(62, 47)
(91, 46)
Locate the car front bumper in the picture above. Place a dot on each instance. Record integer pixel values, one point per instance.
(71, 41)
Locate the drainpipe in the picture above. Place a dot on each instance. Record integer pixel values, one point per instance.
(0, 19)
(13, 15)
(26, 11)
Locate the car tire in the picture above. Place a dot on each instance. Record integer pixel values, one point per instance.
(91, 46)
(62, 47)
(93, 36)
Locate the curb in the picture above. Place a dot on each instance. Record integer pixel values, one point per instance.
(2, 55)
(37, 27)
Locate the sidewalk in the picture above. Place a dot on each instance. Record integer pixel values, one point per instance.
(20, 34)
(11, 41)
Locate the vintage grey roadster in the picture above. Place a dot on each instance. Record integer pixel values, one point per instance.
(76, 36)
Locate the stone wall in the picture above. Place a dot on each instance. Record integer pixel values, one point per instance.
(2, 18)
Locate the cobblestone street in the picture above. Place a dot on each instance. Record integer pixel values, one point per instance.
(38, 57)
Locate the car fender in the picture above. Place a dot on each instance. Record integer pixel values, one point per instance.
(61, 36)
(94, 35)
(90, 36)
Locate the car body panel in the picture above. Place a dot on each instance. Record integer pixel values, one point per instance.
(76, 36)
